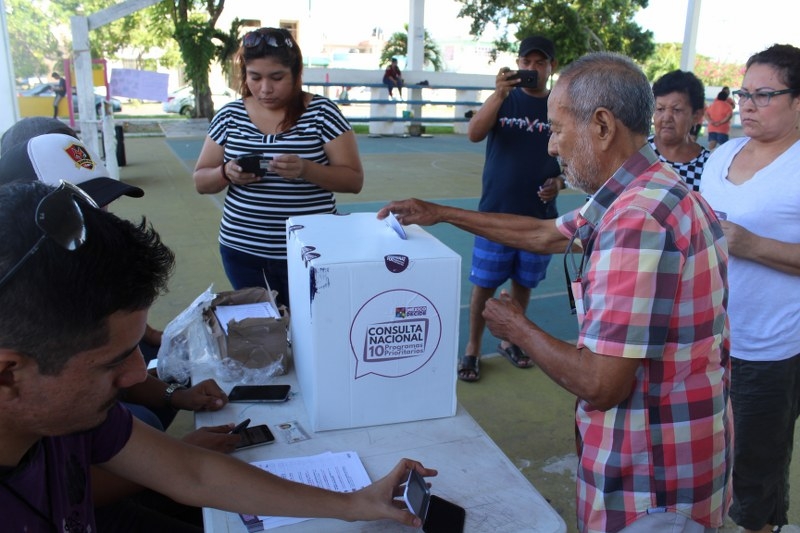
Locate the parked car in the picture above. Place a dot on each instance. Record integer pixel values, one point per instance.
(182, 100)
(45, 90)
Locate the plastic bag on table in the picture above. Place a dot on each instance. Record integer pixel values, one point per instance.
(186, 342)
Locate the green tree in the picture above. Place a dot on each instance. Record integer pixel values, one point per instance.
(194, 28)
(397, 45)
(667, 58)
(34, 48)
(575, 26)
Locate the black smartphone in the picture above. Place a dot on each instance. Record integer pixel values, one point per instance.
(444, 517)
(257, 164)
(255, 436)
(240, 427)
(528, 78)
(437, 514)
(259, 393)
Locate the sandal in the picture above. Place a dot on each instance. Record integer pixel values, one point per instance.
(515, 356)
(469, 368)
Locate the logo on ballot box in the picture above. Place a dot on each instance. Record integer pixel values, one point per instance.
(394, 334)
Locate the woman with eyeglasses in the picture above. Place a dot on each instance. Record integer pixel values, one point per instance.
(279, 152)
(680, 102)
(752, 182)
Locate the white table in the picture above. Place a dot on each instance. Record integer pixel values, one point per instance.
(473, 472)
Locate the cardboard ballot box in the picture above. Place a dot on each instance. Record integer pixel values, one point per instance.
(374, 321)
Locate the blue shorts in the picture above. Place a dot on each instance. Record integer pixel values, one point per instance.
(721, 138)
(493, 264)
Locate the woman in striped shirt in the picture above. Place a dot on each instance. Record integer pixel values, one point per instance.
(305, 152)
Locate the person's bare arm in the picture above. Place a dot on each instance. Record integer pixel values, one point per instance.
(343, 173)
(782, 256)
(203, 396)
(202, 478)
(527, 233)
(602, 381)
(109, 488)
(485, 118)
(208, 173)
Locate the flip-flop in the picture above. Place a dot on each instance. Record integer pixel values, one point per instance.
(515, 356)
(469, 368)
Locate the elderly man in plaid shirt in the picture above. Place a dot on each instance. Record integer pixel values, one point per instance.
(646, 271)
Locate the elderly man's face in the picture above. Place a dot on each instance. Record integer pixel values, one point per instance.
(571, 143)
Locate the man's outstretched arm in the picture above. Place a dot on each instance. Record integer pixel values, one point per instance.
(527, 233)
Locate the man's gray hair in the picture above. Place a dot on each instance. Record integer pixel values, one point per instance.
(614, 82)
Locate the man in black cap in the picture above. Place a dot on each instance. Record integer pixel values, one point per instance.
(519, 177)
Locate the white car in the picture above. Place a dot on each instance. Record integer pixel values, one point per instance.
(182, 100)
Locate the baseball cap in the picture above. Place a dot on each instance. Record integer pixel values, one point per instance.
(55, 156)
(29, 127)
(537, 42)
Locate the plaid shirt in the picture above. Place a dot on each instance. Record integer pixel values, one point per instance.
(654, 288)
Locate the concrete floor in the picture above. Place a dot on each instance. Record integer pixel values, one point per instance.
(528, 416)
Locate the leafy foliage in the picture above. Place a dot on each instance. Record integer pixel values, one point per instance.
(667, 58)
(397, 45)
(33, 46)
(575, 26)
(194, 23)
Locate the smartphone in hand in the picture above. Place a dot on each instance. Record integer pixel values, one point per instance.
(528, 78)
(437, 514)
(257, 164)
(255, 436)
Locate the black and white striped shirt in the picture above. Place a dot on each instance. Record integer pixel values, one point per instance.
(254, 216)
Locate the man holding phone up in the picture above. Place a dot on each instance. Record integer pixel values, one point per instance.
(520, 178)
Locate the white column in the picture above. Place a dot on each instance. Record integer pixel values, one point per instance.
(416, 50)
(82, 60)
(9, 110)
(690, 35)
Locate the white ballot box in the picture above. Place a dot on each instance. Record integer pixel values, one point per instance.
(374, 320)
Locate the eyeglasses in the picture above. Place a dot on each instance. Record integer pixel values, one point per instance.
(759, 98)
(270, 36)
(60, 218)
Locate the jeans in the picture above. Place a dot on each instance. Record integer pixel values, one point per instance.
(246, 270)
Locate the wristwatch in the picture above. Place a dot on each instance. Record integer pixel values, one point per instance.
(171, 388)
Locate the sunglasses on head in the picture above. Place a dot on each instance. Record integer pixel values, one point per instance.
(273, 37)
(60, 218)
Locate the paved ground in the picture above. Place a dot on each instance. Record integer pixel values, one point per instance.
(529, 417)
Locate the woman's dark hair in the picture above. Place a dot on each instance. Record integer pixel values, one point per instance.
(278, 44)
(784, 58)
(723, 95)
(681, 81)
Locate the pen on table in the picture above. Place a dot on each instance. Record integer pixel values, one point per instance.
(240, 427)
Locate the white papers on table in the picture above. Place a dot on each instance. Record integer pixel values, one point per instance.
(229, 313)
(340, 472)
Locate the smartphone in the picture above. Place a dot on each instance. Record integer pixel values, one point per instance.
(444, 517)
(437, 514)
(240, 427)
(417, 495)
(528, 78)
(255, 436)
(257, 164)
(259, 393)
